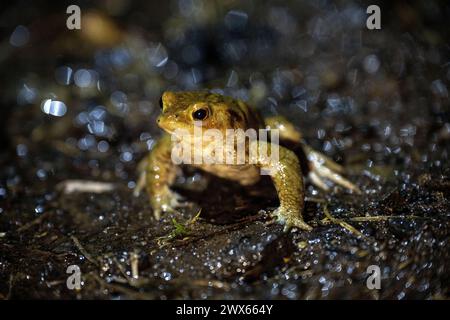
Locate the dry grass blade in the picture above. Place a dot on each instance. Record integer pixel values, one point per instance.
(383, 218)
(83, 250)
(342, 223)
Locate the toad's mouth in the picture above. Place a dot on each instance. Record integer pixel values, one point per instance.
(173, 129)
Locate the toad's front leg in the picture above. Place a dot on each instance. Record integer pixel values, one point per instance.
(288, 180)
(158, 174)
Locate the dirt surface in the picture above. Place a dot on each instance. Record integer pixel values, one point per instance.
(375, 101)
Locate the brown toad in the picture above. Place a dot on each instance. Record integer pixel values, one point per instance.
(188, 110)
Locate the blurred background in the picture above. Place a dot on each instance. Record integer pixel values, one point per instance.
(91, 94)
(82, 104)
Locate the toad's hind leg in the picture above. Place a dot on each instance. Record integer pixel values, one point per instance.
(286, 129)
(323, 168)
(320, 167)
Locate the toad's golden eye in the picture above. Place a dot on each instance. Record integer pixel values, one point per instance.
(200, 114)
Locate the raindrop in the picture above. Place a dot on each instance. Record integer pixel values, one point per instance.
(166, 275)
(82, 118)
(320, 134)
(126, 156)
(232, 79)
(63, 75)
(157, 55)
(298, 92)
(20, 36)
(236, 20)
(171, 70)
(354, 16)
(119, 100)
(327, 146)
(371, 64)
(103, 146)
(439, 88)
(98, 113)
(83, 78)
(39, 209)
(26, 95)
(97, 127)
(302, 104)
(41, 174)
(334, 102)
(54, 107)
(282, 21)
(87, 142)
(145, 136)
(120, 57)
(21, 150)
(188, 7)
(196, 76)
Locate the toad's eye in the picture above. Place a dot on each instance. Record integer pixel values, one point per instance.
(200, 114)
(160, 102)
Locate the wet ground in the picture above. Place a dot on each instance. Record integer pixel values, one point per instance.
(81, 105)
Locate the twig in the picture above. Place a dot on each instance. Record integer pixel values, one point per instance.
(212, 283)
(342, 223)
(383, 218)
(83, 251)
(38, 220)
(121, 289)
(71, 186)
(315, 200)
(11, 282)
(134, 259)
(122, 270)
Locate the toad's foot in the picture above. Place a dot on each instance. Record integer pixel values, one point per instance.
(166, 201)
(323, 168)
(290, 218)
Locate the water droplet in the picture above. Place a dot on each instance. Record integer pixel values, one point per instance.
(26, 95)
(21, 150)
(371, 64)
(39, 209)
(103, 146)
(236, 20)
(157, 55)
(20, 36)
(63, 75)
(83, 78)
(41, 174)
(126, 156)
(302, 104)
(439, 88)
(54, 107)
(97, 127)
(232, 79)
(119, 100)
